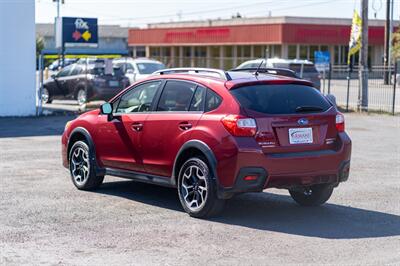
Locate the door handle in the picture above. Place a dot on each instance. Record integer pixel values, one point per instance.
(137, 126)
(185, 125)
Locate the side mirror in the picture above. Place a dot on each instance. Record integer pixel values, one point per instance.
(331, 98)
(130, 71)
(53, 76)
(106, 109)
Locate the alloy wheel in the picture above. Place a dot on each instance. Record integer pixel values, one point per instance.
(194, 188)
(45, 95)
(81, 97)
(80, 166)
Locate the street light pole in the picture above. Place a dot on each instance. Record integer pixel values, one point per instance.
(390, 41)
(363, 61)
(61, 53)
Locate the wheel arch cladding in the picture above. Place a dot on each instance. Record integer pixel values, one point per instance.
(80, 134)
(190, 149)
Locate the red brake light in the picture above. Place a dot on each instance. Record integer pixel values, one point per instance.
(250, 178)
(240, 126)
(340, 122)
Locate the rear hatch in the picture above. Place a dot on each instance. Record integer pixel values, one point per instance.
(290, 118)
(114, 78)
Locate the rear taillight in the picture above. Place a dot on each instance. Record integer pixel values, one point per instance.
(240, 126)
(340, 122)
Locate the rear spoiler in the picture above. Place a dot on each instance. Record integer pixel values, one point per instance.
(271, 71)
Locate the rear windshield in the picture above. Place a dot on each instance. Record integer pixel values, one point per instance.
(281, 99)
(100, 71)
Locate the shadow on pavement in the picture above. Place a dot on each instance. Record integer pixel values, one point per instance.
(272, 212)
(33, 126)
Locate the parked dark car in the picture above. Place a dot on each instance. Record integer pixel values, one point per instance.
(84, 83)
(213, 134)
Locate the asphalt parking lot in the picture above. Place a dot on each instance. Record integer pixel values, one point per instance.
(45, 220)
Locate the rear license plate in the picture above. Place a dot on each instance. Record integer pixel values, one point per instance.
(113, 83)
(300, 135)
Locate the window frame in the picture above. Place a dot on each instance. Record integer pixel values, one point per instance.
(157, 97)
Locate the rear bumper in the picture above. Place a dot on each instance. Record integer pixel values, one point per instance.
(289, 170)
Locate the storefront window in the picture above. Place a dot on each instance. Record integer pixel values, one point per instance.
(277, 51)
(215, 51)
(313, 49)
(154, 51)
(292, 52)
(243, 51)
(303, 52)
(324, 48)
(228, 51)
(259, 51)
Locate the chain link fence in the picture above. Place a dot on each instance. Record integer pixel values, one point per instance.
(383, 88)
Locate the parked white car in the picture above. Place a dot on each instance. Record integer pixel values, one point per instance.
(137, 69)
(303, 68)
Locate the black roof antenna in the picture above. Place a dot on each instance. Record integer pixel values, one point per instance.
(258, 68)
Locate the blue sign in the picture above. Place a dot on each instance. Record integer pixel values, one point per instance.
(79, 32)
(322, 60)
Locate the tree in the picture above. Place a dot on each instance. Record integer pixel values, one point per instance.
(396, 45)
(39, 45)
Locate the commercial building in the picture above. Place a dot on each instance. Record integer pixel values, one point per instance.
(227, 43)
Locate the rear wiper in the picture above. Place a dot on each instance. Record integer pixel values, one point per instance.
(308, 108)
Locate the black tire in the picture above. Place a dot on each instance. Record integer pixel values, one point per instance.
(47, 99)
(212, 204)
(90, 180)
(81, 96)
(312, 196)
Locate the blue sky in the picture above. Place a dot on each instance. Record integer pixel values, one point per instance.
(139, 13)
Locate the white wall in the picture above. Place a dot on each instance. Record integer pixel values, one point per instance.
(17, 58)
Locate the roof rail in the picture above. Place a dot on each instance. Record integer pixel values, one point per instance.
(272, 71)
(195, 70)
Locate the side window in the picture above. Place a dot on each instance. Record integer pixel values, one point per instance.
(176, 96)
(129, 66)
(139, 99)
(76, 71)
(198, 99)
(65, 71)
(213, 100)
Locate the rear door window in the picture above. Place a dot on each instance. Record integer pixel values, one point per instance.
(176, 96)
(281, 99)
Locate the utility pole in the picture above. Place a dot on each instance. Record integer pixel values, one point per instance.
(61, 53)
(391, 41)
(363, 61)
(386, 52)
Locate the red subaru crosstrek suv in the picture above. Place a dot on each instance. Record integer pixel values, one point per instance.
(213, 134)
